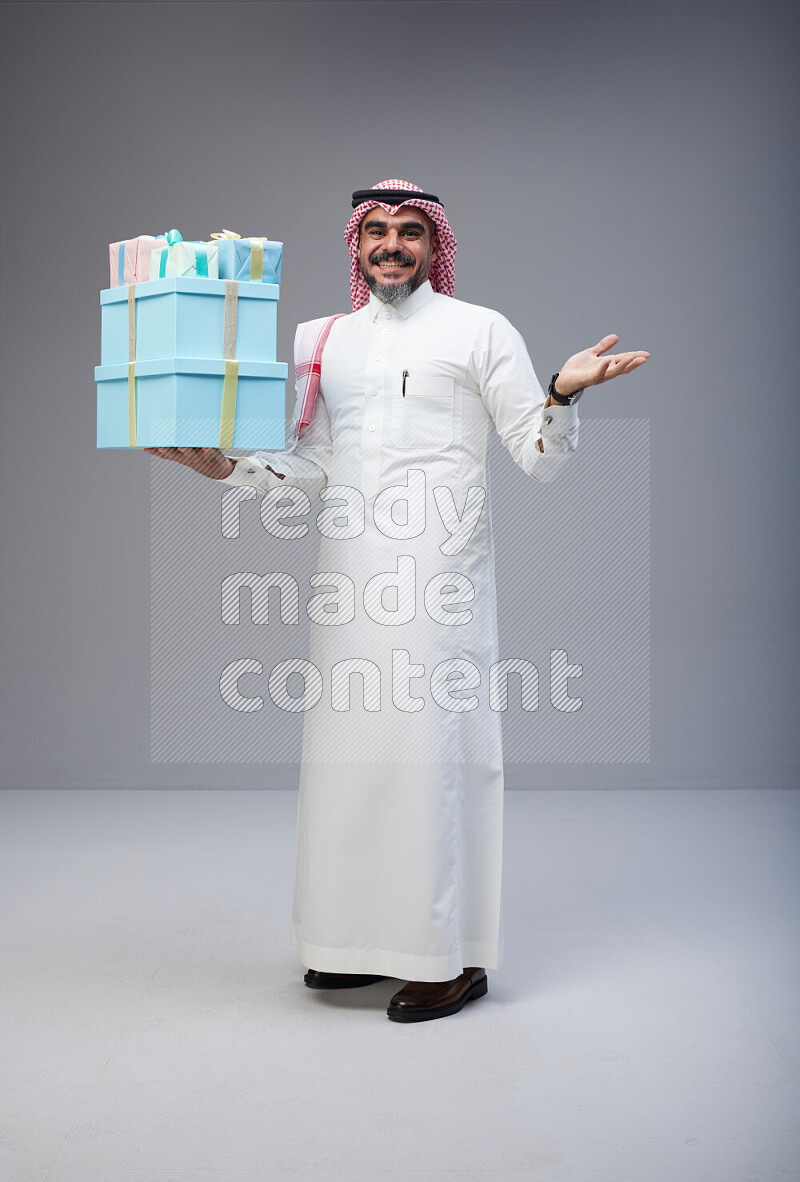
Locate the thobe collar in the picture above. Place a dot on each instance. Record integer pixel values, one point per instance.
(418, 299)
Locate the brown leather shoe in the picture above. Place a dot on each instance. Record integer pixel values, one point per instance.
(318, 980)
(418, 1001)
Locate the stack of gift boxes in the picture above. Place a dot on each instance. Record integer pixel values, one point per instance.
(188, 344)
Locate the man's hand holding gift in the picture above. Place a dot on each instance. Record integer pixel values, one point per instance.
(208, 461)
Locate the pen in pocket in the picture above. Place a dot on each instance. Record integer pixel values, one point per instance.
(405, 375)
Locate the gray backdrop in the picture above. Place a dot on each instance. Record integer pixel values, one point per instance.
(607, 167)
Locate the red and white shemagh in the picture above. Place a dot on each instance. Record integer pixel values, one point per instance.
(308, 362)
(308, 367)
(442, 276)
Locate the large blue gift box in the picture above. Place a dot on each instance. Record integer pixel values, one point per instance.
(191, 402)
(185, 317)
(188, 362)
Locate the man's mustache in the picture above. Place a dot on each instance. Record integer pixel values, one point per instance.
(397, 257)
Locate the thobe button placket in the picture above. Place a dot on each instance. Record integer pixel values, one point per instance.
(374, 409)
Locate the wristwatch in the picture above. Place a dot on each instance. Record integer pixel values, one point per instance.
(569, 400)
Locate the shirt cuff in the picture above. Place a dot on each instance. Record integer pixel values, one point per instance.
(558, 435)
(559, 420)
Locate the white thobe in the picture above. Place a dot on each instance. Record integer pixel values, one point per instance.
(398, 852)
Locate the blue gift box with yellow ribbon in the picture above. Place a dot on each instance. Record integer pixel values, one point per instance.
(191, 402)
(185, 317)
(254, 260)
(190, 362)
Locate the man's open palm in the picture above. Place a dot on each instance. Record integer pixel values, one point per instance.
(588, 368)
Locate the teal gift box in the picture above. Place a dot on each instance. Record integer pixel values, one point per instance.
(191, 402)
(186, 317)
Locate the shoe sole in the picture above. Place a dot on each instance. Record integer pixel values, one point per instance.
(368, 980)
(480, 989)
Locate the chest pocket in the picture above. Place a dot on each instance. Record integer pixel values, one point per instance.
(423, 418)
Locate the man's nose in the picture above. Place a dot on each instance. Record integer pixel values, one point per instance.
(392, 240)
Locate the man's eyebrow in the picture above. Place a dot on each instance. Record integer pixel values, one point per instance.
(376, 224)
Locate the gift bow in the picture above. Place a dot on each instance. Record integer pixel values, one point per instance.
(256, 251)
(233, 234)
(175, 238)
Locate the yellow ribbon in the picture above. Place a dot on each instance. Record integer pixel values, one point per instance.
(256, 259)
(231, 383)
(132, 364)
(228, 413)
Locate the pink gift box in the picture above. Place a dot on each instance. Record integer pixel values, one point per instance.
(130, 260)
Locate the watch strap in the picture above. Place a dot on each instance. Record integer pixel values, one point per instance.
(563, 400)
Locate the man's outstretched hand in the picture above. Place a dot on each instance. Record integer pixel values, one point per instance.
(588, 368)
(208, 461)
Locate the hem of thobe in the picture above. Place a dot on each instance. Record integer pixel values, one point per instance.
(404, 966)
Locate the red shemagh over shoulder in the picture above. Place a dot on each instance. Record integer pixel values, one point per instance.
(442, 276)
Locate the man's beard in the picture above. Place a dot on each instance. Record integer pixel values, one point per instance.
(395, 293)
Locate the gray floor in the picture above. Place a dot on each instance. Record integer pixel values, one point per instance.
(643, 1025)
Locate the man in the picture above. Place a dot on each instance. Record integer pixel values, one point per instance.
(399, 828)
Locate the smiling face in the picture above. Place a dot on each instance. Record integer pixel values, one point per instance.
(396, 251)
